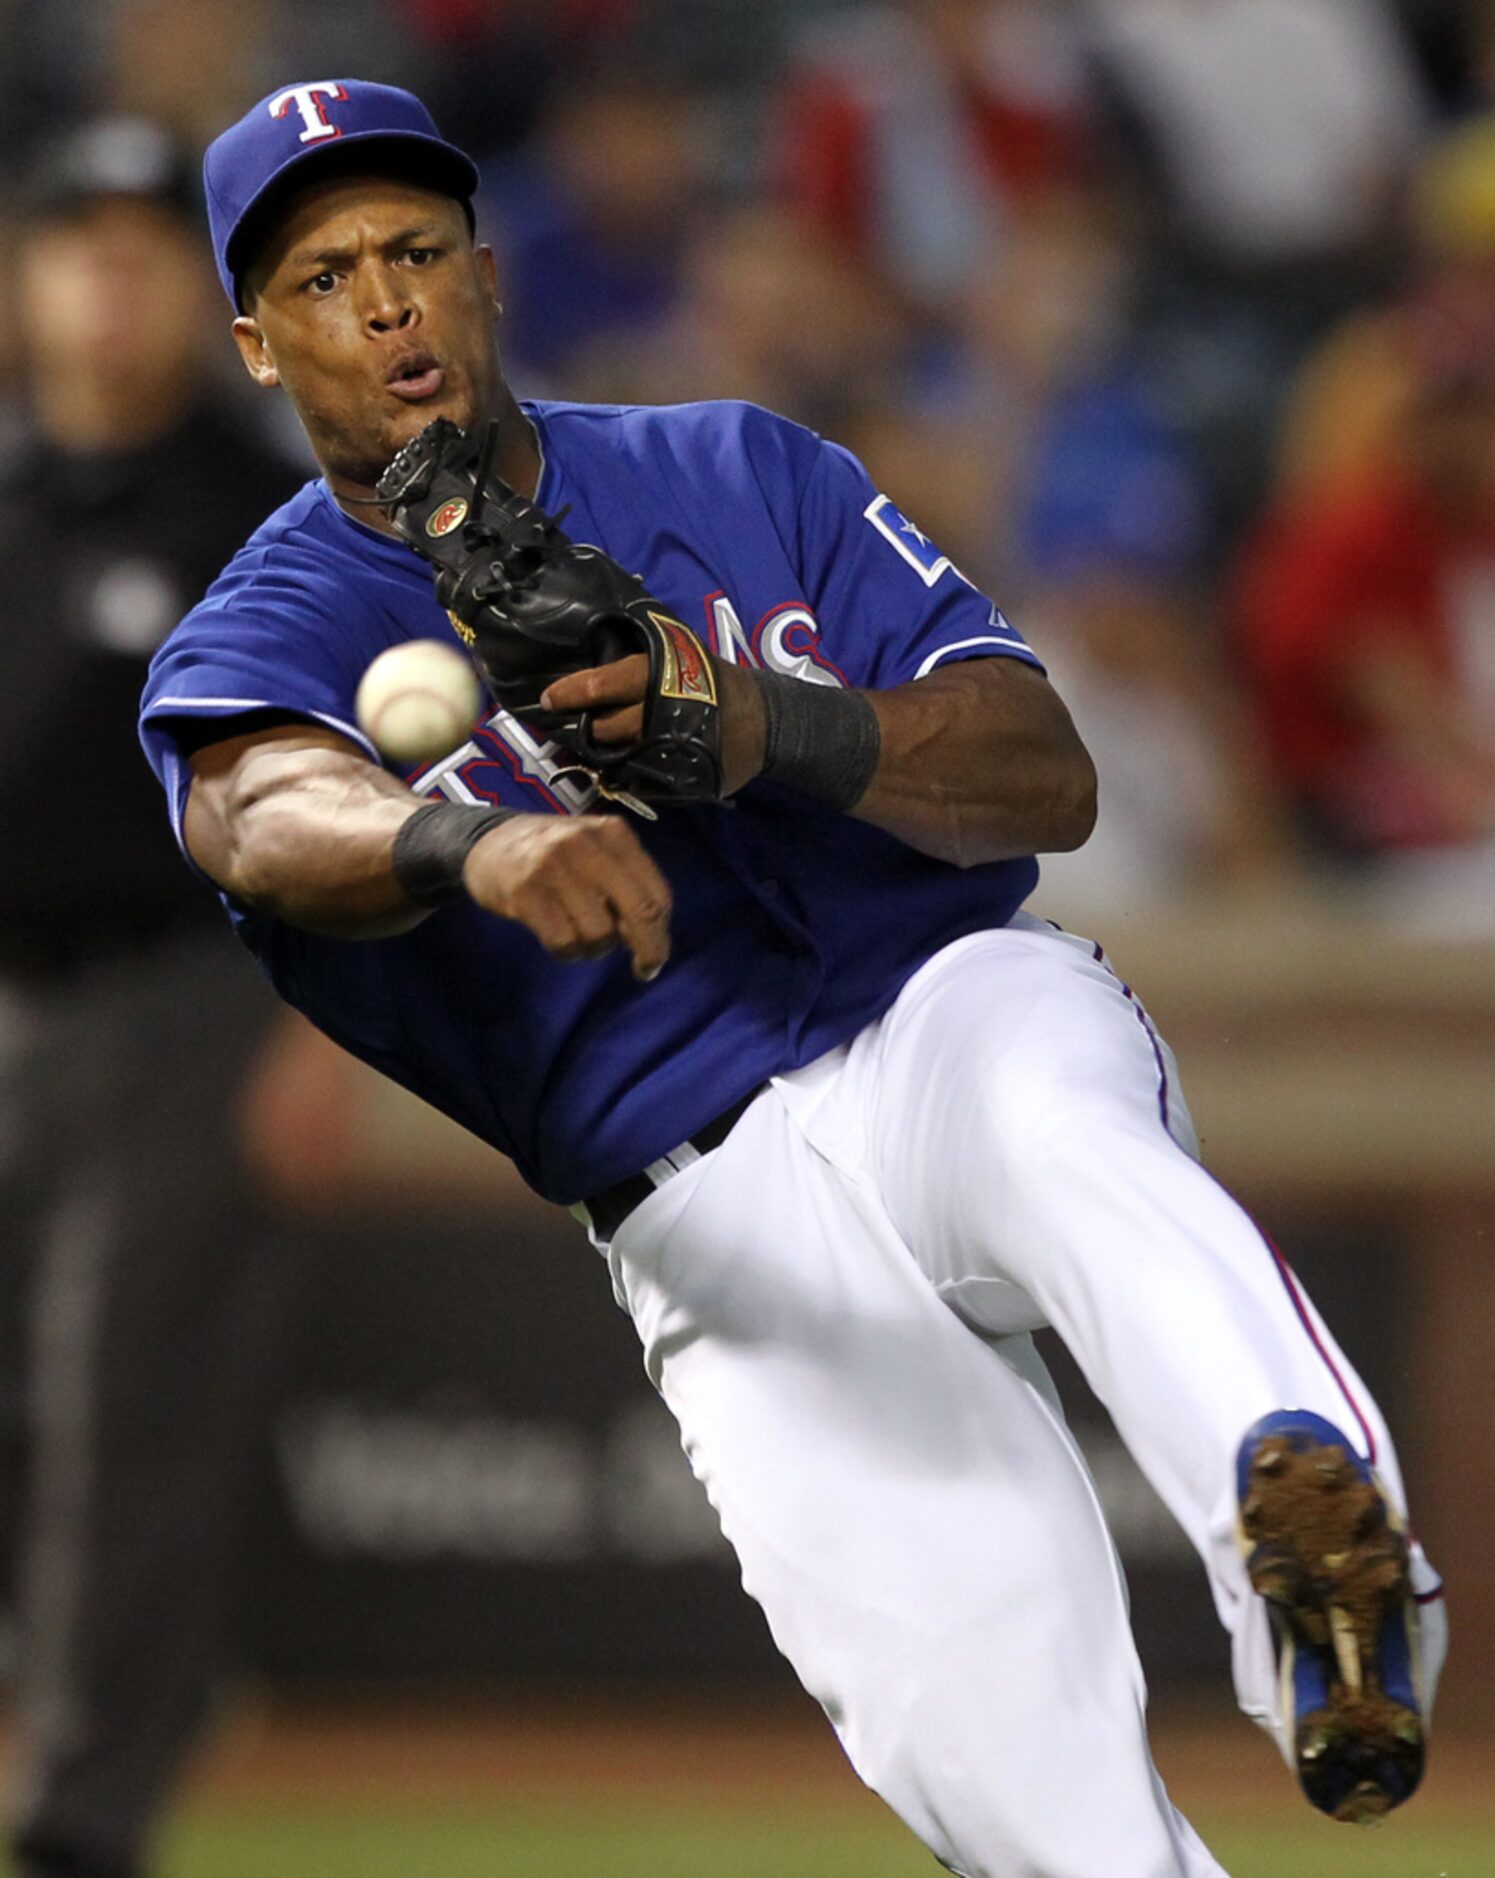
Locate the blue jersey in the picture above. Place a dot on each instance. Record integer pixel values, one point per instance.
(793, 926)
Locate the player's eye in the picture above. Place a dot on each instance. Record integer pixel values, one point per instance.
(419, 257)
(322, 283)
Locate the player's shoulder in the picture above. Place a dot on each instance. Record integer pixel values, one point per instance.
(306, 565)
(307, 540)
(707, 433)
(309, 593)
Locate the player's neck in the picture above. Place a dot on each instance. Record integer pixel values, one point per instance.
(516, 460)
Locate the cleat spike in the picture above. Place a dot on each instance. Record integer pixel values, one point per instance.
(1346, 1648)
(1367, 1805)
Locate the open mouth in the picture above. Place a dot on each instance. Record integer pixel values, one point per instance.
(416, 378)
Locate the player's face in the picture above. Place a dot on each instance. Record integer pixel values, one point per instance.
(372, 308)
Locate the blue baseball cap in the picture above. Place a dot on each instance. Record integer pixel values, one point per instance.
(252, 166)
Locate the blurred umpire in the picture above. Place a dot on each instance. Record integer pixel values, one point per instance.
(141, 1280)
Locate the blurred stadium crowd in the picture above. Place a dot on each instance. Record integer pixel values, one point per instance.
(1171, 321)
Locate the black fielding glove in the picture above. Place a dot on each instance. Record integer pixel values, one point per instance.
(534, 606)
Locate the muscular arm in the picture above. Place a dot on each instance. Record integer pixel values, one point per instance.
(297, 822)
(980, 761)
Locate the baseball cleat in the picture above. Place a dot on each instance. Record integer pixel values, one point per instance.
(1329, 1554)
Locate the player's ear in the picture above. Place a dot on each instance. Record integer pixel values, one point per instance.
(250, 339)
(487, 270)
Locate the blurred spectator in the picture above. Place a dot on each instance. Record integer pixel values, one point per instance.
(1281, 128)
(157, 1302)
(1185, 808)
(768, 313)
(190, 65)
(592, 227)
(494, 66)
(914, 133)
(1042, 324)
(186, 64)
(1112, 538)
(1354, 399)
(1279, 133)
(1367, 612)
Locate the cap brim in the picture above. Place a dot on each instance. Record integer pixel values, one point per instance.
(405, 153)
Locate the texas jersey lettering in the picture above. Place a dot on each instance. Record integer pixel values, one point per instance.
(786, 640)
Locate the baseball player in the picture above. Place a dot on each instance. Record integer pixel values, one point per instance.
(715, 925)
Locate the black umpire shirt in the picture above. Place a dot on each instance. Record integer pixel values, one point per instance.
(99, 559)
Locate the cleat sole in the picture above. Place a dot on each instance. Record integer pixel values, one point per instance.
(1334, 1571)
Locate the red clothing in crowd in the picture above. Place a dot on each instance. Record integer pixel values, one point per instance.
(1379, 564)
(831, 160)
(914, 158)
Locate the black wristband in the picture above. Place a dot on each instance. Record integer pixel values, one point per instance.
(432, 845)
(820, 739)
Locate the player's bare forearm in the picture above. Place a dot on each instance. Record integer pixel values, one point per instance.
(980, 761)
(298, 823)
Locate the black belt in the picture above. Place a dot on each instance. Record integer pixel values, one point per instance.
(607, 1210)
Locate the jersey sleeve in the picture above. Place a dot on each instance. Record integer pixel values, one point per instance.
(891, 605)
(259, 642)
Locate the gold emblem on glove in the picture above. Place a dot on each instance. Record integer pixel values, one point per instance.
(685, 671)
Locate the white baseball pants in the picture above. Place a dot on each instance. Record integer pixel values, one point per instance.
(836, 1304)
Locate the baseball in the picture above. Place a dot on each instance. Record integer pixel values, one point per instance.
(417, 702)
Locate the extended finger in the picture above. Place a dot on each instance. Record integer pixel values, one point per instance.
(592, 915)
(550, 919)
(624, 681)
(620, 726)
(640, 898)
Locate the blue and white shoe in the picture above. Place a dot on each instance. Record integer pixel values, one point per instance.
(1329, 1554)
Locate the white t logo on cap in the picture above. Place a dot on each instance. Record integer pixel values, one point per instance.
(308, 101)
